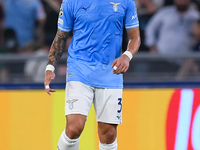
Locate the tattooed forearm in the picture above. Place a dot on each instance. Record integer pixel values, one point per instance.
(57, 47)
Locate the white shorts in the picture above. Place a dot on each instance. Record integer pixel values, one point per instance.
(107, 102)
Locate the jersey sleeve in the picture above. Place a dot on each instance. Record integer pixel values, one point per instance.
(131, 18)
(65, 19)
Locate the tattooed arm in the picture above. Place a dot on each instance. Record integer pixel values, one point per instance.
(55, 54)
(57, 47)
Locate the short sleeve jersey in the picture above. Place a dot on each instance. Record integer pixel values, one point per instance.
(97, 38)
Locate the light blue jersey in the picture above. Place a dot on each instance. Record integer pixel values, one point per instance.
(97, 38)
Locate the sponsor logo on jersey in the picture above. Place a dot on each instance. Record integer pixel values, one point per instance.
(71, 102)
(85, 8)
(115, 6)
(135, 16)
(61, 12)
(69, 74)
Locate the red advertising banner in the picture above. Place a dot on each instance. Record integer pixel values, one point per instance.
(183, 120)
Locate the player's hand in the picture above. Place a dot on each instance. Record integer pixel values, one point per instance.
(49, 76)
(121, 64)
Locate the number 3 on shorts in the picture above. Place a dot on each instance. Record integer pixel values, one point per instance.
(120, 104)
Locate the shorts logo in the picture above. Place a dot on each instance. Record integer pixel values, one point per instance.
(118, 117)
(115, 6)
(71, 103)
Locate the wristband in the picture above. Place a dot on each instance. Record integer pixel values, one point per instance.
(50, 67)
(129, 54)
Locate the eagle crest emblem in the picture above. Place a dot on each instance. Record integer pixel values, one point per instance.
(70, 102)
(115, 6)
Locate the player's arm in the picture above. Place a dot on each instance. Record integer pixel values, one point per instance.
(121, 64)
(134, 40)
(55, 54)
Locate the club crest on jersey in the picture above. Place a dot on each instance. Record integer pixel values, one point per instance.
(115, 6)
(71, 103)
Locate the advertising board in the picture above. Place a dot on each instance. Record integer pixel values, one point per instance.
(153, 119)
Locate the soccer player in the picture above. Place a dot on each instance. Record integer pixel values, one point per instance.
(95, 65)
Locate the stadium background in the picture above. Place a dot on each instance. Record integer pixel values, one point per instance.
(152, 119)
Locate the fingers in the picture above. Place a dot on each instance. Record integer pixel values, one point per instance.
(47, 87)
(49, 90)
(115, 66)
(120, 65)
(117, 69)
(114, 63)
(124, 69)
(120, 69)
(49, 76)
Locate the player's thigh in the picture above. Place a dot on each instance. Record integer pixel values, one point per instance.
(78, 98)
(108, 105)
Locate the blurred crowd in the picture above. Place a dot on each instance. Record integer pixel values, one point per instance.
(167, 27)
